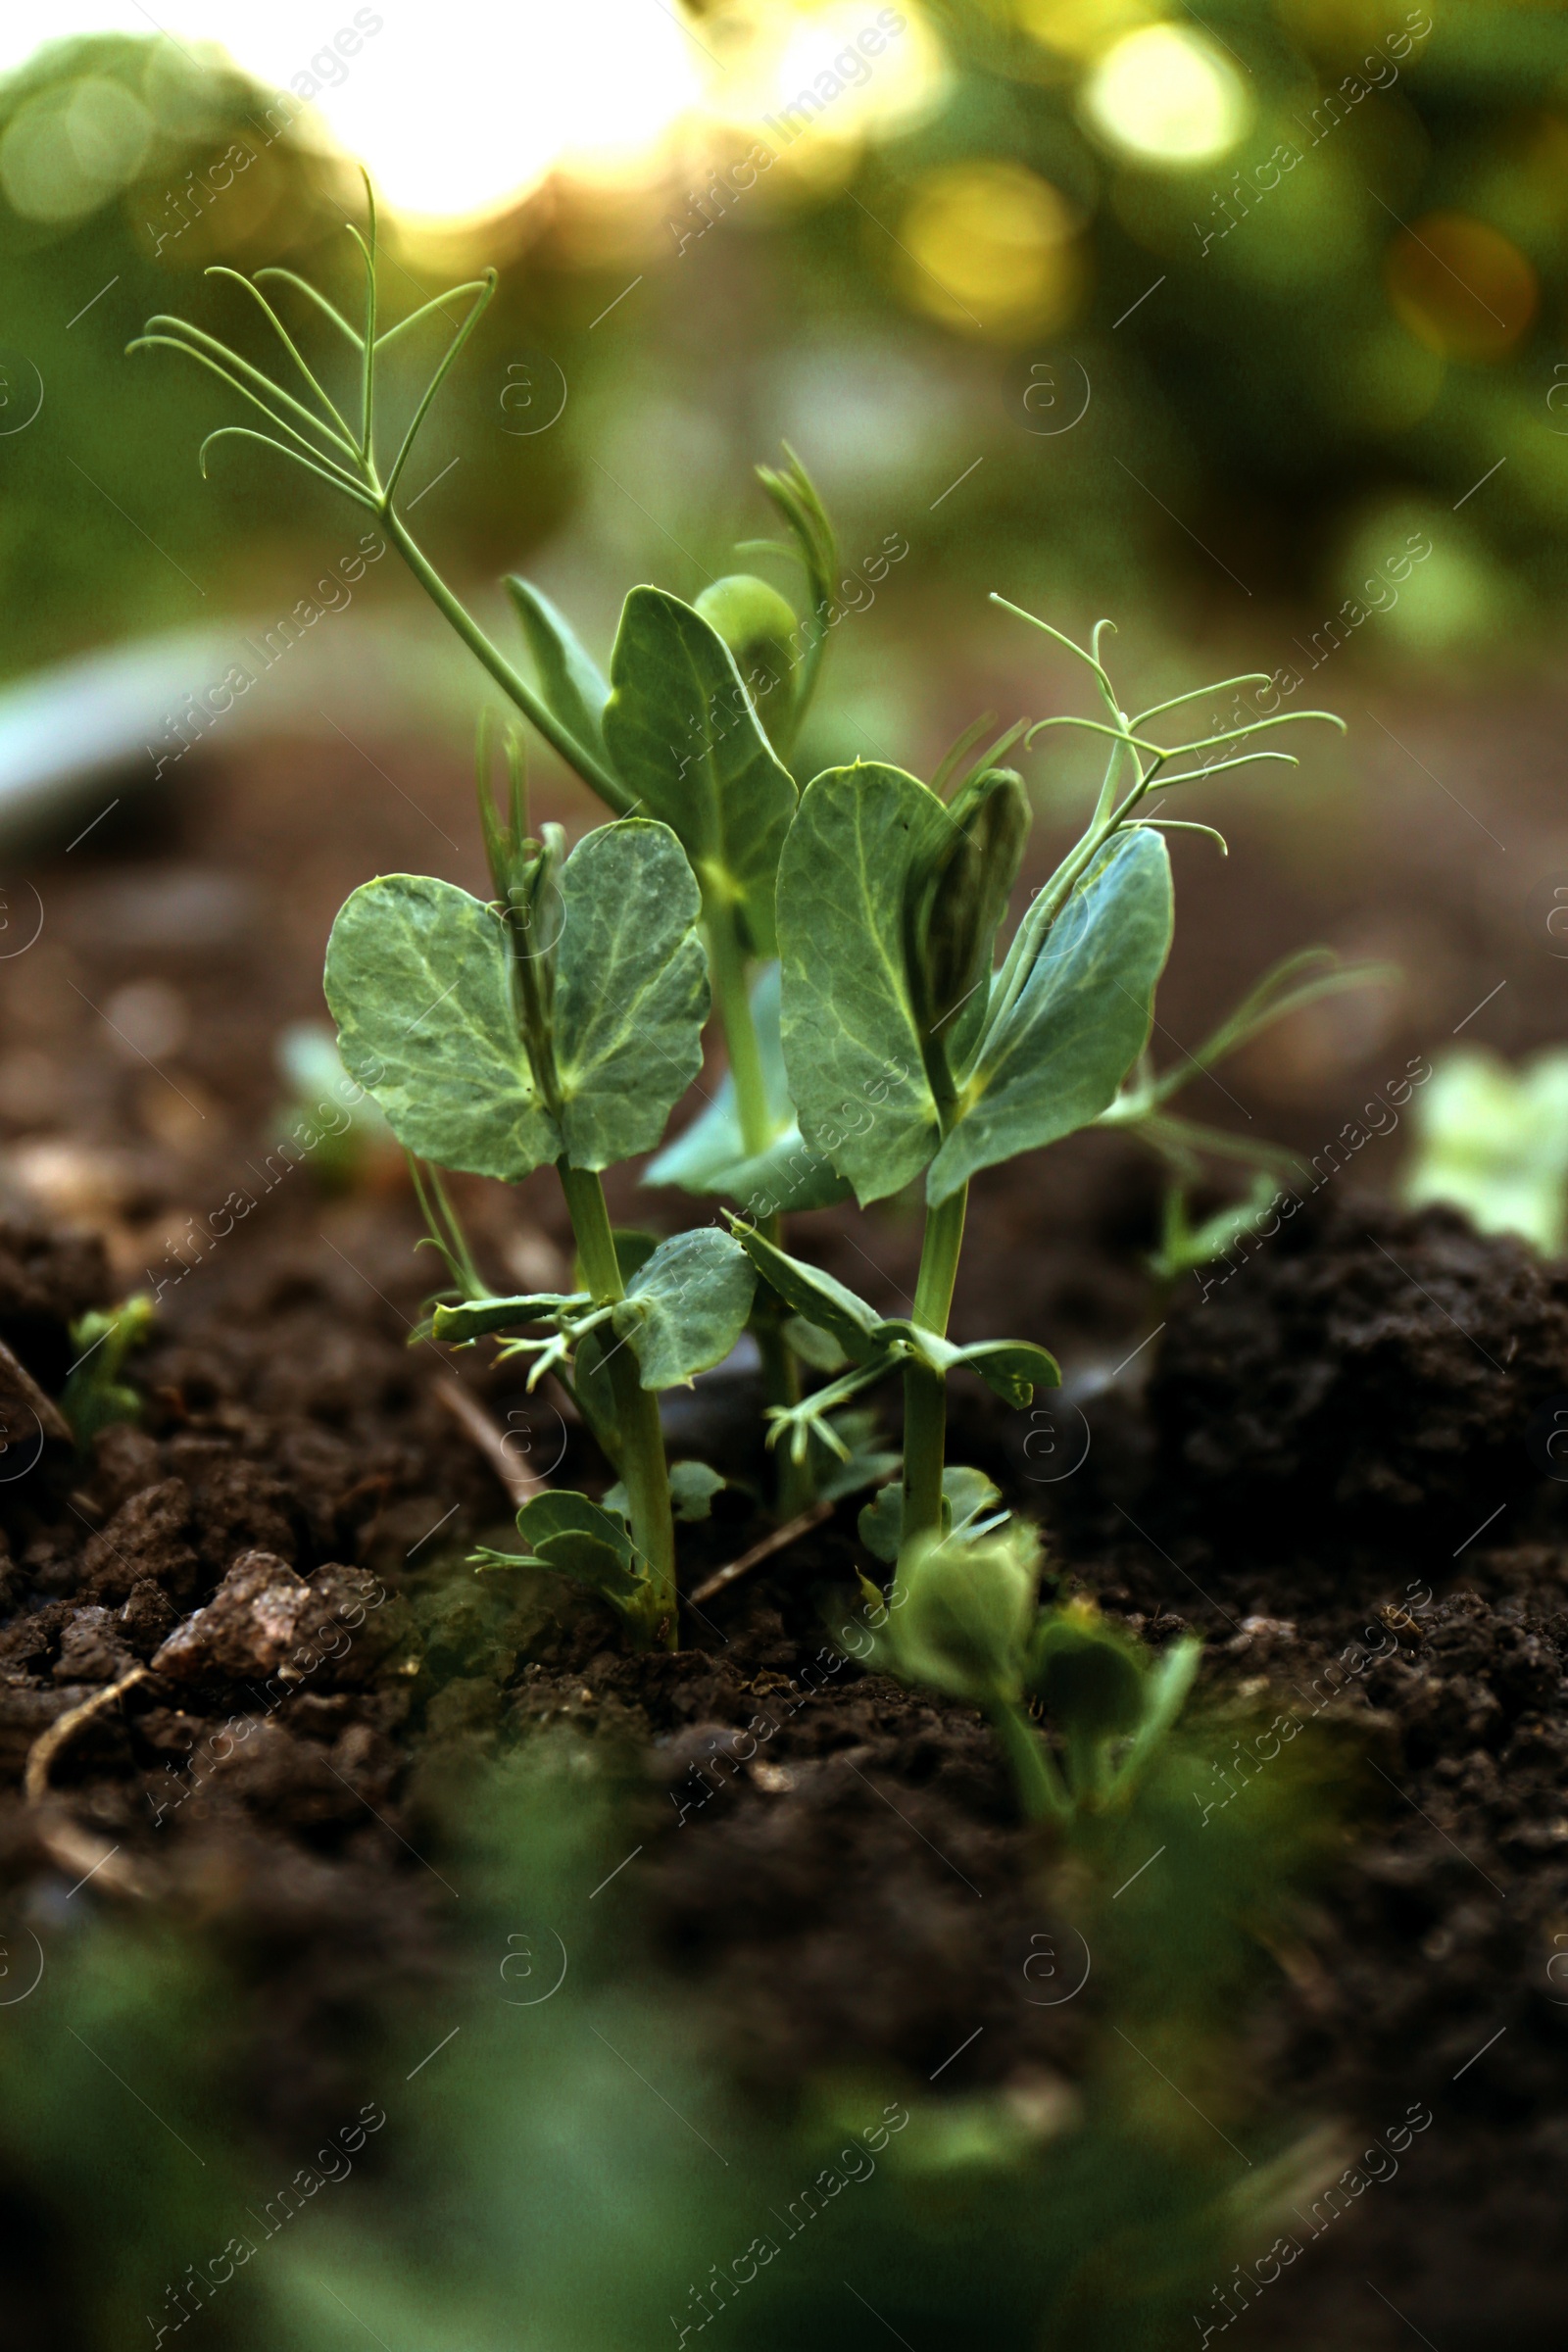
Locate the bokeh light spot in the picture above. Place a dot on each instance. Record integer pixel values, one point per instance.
(1461, 287)
(1165, 95)
(1083, 27)
(993, 249)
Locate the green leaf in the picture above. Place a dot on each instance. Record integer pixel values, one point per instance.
(965, 1494)
(818, 1296)
(692, 1488)
(958, 906)
(815, 1346)
(685, 1310)
(632, 990)
(94, 1395)
(788, 1176)
(862, 838)
(1012, 1368)
(576, 1539)
(569, 677)
(959, 1615)
(1051, 1058)
(869, 1463)
(710, 1156)
(683, 736)
(1089, 1675)
(474, 1317)
(418, 978)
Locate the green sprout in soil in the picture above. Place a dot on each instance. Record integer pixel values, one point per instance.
(94, 1395)
(964, 1617)
(560, 1023)
(678, 732)
(910, 1052)
(1492, 1143)
(352, 1135)
(1183, 1146)
(847, 935)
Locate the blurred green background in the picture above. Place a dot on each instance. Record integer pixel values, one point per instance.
(1105, 303)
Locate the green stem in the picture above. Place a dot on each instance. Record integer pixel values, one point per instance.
(642, 1440)
(726, 965)
(1087, 1767)
(925, 1395)
(512, 683)
(1039, 1784)
(781, 1377)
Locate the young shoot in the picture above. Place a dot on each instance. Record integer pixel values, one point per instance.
(1493, 1142)
(962, 1617)
(692, 726)
(910, 1052)
(94, 1395)
(1183, 1146)
(559, 1023)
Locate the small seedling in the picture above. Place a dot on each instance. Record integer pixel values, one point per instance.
(563, 1021)
(692, 726)
(1494, 1142)
(324, 1101)
(1183, 1146)
(962, 1617)
(559, 1023)
(94, 1395)
(907, 1053)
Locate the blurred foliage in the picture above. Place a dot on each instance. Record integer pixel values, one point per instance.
(1288, 364)
(1494, 1142)
(562, 2145)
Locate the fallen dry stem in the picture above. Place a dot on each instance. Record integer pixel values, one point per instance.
(779, 1540)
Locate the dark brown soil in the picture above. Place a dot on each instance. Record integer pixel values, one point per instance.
(1338, 1451)
(1334, 1384)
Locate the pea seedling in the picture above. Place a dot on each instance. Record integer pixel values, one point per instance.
(907, 1053)
(94, 1395)
(563, 1021)
(962, 1617)
(1183, 1145)
(676, 732)
(1493, 1142)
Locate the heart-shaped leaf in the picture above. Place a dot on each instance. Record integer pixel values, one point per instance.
(862, 839)
(685, 1310)
(576, 1539)
(419, 977)
(632, 990)
(1063, 1032)
(685, 739)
